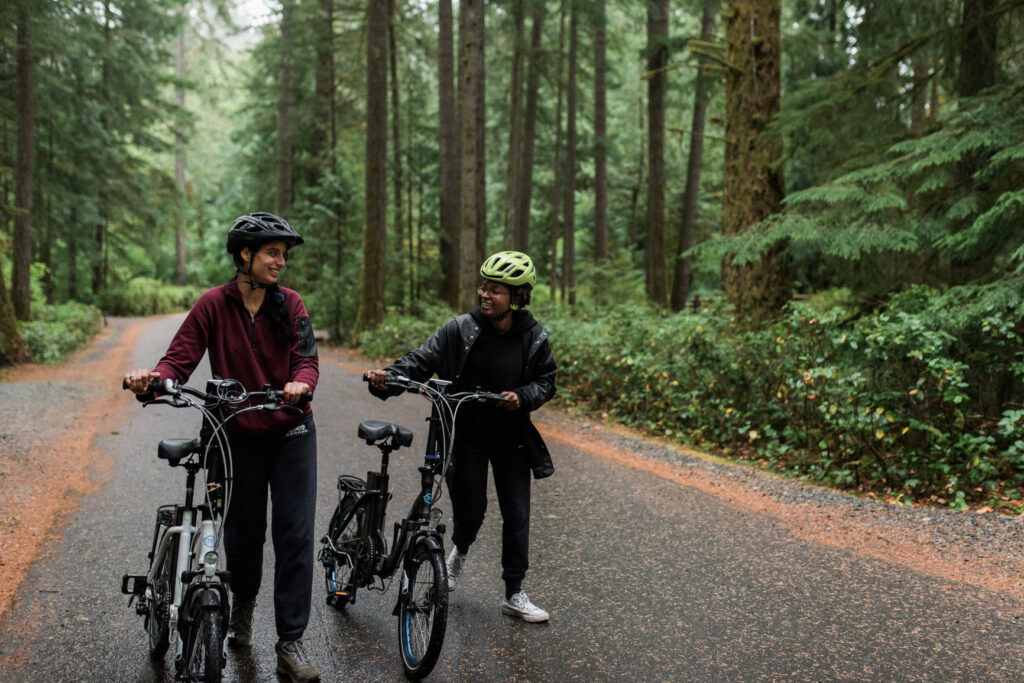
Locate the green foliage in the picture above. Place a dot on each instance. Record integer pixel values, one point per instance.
(145, 296)
(56, 331)
(401, 333)
(915, 399)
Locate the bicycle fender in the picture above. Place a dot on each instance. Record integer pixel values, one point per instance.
(199, 597)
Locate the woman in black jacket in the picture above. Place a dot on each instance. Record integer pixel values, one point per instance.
(497, 347)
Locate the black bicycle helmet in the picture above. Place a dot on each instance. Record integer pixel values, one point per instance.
(256, 228)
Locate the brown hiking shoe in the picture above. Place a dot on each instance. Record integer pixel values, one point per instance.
(293, 662)
(240, 626)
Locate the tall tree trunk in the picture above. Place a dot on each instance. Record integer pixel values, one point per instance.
(374, 274)
(524, 197)
(12, 347)
(600, 135)
(753, 184)
(471, 75)
(448, 153)
(285, 115)
(691, 195)
(396, 139)
(179, 158)
(569, 227)
(657, 60)
(515, 133)
(322, 140)
(556, 186)
(979, 54)
(481, 148)
(634, 231)
(99, 268)
(21, 275)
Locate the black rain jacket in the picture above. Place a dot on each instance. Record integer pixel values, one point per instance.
(445, 353)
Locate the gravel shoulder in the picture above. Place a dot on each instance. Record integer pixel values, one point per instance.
(978, 549)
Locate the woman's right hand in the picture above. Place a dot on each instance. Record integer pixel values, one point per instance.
(138, 380)
(376, 379)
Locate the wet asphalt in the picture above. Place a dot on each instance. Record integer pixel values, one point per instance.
(645, 579)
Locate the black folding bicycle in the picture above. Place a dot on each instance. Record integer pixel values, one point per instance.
(355, 552)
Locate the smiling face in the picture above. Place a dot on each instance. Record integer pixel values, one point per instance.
(268, 261)
(494, 299)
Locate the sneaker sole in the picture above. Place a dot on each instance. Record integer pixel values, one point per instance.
(285, 675)
(513, 612)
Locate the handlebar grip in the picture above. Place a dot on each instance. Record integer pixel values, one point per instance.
(153, 388)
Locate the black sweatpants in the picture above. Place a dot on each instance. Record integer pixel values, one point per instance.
(467, 486)
(286, 465)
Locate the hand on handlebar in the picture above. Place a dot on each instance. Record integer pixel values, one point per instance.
(376, 379)
(137, 381)
(293, 391)
(511, 400)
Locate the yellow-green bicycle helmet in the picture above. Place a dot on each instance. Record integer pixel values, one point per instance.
(512, 268)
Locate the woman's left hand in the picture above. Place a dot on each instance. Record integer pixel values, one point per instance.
(511, 400)
(293, 390)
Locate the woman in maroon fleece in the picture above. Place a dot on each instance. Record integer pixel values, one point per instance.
(259, 333)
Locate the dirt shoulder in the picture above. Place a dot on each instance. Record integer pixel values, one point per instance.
(52, 415)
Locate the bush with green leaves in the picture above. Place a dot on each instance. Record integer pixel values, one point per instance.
(145, 296)
(56, 331)
(912, 399)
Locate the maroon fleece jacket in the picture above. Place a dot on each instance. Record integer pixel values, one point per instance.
(245, 348)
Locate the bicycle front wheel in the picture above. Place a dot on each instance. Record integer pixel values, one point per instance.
(205, 647)
(423, 613)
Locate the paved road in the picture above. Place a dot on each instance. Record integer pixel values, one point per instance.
(645, 579)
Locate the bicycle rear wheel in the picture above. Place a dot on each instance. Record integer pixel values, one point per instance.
(340, 568)
(423, 613)
(158, 614)
(205, 647)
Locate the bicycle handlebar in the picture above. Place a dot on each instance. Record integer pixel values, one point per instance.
(402, 382)
(273, 398)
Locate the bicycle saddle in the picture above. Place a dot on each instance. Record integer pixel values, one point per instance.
(176, 449)
(373, 431)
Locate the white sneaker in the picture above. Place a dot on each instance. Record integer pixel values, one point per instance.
(520, 606)
(456, 561)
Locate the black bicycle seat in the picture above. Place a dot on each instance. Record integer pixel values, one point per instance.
(176, 449)
(373, 431)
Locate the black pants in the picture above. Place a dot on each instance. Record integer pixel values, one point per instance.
(467, 486)
(286, 465)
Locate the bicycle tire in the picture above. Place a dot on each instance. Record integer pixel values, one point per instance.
(158, 618)
(423, 613)
(205, 647)
(339, 574)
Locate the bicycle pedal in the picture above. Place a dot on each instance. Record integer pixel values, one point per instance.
(133, 584)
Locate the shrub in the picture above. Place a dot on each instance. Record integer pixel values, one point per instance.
(145, 296)
(56, 331)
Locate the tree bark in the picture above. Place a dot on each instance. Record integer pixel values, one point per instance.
(654, 243)
(285, 115)
(753, 186)
(396, 139)
(600, 135)
(180, 71)
(682, 275)
(448, 156)
(979, 54)
(21, 275)
(521, 241)
(569, 222)
(374, 273)
(557, 184)
(471, 75)
(12, 347)
(322, 139)
(515, 132)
